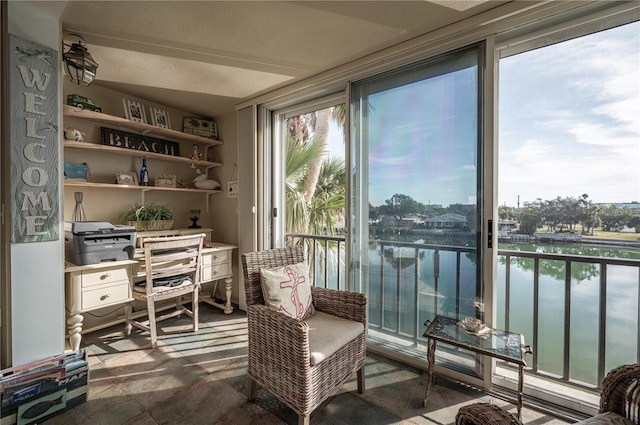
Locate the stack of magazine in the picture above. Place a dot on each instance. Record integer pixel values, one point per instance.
(38, 390)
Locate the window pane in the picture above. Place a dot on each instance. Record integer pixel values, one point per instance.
(569, 192)
(315, 191)
(415, 174)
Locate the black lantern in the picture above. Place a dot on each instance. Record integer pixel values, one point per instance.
(79, 65)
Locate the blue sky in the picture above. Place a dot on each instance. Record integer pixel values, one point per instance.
(426, 147)
(569, 124)
(570, 120)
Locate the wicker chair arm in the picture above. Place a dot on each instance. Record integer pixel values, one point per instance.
(615, 390)
(277, 338)
(345, 304)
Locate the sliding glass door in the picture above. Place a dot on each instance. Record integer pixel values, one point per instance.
(415, 184)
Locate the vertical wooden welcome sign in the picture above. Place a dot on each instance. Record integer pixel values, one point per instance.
(33, 108)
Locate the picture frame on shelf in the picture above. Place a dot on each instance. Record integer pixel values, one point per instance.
(164, 180)
(134, 111)
(200, 127)
(126, 177)
(160, 118)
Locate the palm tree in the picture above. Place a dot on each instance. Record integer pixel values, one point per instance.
(311, 177)
(320, 135)
(299, 154)
(323, 213)
(315, 185)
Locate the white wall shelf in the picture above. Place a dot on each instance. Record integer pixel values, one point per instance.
(131, 152)
(142, 128)
(91, 185)
(142, 189)
(147, 130)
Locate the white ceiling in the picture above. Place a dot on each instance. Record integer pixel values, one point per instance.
(206, 56)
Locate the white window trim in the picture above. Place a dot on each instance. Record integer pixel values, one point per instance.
(275, 168)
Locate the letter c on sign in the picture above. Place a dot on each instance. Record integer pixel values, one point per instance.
(30, 152)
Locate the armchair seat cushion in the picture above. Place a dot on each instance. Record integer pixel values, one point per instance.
(329, 333)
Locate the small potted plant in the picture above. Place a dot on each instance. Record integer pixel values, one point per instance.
(194, 216)
(149, 217)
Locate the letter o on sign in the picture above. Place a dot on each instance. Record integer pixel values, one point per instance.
(34, 176)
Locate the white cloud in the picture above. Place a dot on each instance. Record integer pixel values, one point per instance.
(576, 127)
(390, 161)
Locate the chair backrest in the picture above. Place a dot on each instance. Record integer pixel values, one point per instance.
(252, 262)
(621, 392)
(172, 256)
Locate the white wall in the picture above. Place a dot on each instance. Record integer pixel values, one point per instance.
(37, 290)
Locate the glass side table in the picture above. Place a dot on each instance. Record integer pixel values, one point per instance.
(499, 344)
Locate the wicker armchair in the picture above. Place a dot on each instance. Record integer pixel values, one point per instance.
(279, 357)
(620, 398)
(621, 392)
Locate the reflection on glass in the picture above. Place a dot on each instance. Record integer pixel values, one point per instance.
(416, 182)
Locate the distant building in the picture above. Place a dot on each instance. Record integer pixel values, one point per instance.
(388, 221)
(411, 220)
(447, 221)
(628, 205)
(507, 225)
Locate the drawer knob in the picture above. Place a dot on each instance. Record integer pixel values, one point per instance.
(105, 296)
(105, 276)
(215, 257)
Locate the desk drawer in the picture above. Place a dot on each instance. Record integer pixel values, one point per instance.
(105, 295)
(104, 275)
(214, 272)
(216, 257)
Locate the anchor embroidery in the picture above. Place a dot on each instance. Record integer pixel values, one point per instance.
(294, 281)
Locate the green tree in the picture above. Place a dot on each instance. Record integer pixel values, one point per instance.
(315, 187)
(321, 122)
(612, 218)
(590, 216)
(400, 206)
(323, 213)
(467, 210)
(551, 215)
(315, 184)
(530, 218)
(633, 219)
(507, 213)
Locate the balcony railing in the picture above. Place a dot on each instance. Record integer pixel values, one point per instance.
(328, 268)
(578, 303)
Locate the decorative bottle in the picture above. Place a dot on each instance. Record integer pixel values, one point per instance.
(144, 173)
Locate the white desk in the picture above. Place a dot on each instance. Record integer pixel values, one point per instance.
(95, 286)
(92, 287)
(216, 264)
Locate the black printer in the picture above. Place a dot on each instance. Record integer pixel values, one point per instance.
(92, 242)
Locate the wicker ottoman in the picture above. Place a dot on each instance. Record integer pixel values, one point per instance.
(484, 414)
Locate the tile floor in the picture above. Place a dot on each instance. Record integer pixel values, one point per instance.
(200, 378)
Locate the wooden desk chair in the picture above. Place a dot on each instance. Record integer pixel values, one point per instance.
(172, 267)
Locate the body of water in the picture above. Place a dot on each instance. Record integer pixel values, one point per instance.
(393, 288)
